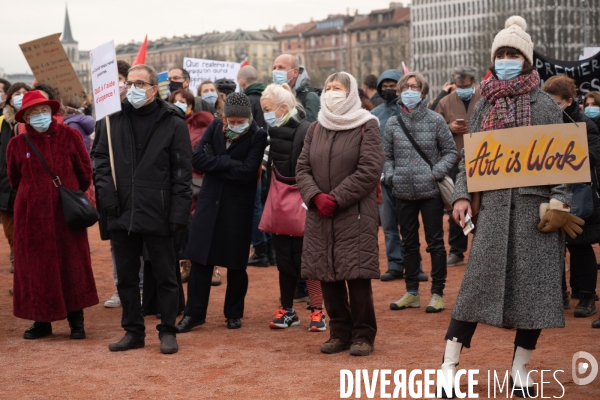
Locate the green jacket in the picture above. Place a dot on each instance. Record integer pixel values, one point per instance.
(310, 101)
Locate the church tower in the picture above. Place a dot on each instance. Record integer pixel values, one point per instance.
(71, 46)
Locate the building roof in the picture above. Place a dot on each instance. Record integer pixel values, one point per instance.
(67, 36)
(188, 41)
(295, 31)
(399, 16)
(331, 25)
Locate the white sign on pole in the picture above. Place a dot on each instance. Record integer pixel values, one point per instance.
(105, 80)
(201, 70)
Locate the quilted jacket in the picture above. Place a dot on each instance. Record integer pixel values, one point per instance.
(409, 176)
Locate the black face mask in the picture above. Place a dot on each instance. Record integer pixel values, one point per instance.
(389, 94)
(173, 86)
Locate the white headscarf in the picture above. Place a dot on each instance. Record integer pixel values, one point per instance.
(349, 115)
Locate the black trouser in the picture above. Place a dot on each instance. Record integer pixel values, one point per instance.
(128, 247)
(199, 283)
(353, 321)
(463, 332)
(584, 270)
(457, 240)
(432, 213)
(287, 288)
(150, 297)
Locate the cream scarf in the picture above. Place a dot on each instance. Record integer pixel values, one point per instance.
(350, 115)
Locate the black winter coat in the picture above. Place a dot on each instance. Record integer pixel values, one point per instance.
(7, 194)
(286, 146)
(154, 191)
(591, 229)
(222, 225)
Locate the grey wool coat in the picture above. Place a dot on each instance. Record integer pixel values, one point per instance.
(405, 171)
(514, 274)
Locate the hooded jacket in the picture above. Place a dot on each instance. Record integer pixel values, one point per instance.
(84, 124)
(254, 92)
(386, 109)
(309, 100)
(153, 191)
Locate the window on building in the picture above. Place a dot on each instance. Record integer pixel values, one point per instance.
(299, 43)
(289, 44)
(345, 38)
(357, 37)
(332, 55)
(312, 42)
(368, 36)
(333, 40)
(380, 18)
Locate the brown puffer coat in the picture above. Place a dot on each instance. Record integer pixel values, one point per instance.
(347, 165)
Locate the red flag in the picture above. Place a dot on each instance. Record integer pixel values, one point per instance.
(404, 68)
(141, 55)
(244, 63)
(487, 76)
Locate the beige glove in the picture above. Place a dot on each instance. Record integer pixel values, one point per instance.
(555, 215)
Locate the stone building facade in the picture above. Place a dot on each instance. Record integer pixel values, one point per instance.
(446, 33)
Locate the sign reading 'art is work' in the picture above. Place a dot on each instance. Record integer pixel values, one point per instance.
(527, 156)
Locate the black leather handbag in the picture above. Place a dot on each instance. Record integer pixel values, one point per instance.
(79, 212)
(582, 204)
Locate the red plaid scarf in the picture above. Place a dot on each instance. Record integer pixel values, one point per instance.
(510, 101)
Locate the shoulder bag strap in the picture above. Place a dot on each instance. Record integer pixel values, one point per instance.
(55, 179)
(414, 142)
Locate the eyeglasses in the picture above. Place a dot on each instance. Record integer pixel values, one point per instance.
(416, 88)
(38, 112)
(137, 84)
(175, 79)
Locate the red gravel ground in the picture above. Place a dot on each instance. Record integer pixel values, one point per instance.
(256, 362)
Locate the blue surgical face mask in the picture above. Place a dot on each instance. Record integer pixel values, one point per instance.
(280, 77)
(18, 101)
(210, 97)
(41, 122)
(271, 119)
(411, 98)
(238, 128)
(2, 96)
(136, 96)
(181, 105)
(507, 69)
(465, 94)
(592, 112)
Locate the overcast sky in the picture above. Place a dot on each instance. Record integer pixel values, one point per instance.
(95, 22)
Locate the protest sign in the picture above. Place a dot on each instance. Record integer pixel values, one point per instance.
(527, 156)
(163, 85)
(105, 80)
(50, 64)
(586, 73)
(201, 70)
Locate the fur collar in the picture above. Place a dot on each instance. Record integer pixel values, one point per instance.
(9, 114)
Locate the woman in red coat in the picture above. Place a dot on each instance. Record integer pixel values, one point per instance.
(53, 271)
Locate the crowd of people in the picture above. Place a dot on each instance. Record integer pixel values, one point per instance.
(182, 184)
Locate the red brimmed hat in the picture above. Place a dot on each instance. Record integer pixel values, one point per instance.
(32, 99)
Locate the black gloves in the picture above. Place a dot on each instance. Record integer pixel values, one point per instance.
(208, 150)
(113, 211)
(235, 163)
(177, 227)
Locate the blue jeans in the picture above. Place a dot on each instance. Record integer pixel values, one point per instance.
(259, 238)
(389, 223)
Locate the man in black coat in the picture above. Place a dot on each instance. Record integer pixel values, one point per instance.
(151, 199)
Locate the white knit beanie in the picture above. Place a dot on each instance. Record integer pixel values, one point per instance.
(514, 35)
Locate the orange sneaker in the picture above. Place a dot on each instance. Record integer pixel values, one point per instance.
(317, 322)
(283, 318)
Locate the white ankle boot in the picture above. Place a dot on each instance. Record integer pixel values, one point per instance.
(451, 356)
(522, 383)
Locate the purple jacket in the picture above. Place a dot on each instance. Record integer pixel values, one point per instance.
(84, 124)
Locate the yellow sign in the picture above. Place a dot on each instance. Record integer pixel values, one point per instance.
(51, 65)
(527, 156)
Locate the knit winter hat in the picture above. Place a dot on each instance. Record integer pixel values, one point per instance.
(514, 35)
(237, 105)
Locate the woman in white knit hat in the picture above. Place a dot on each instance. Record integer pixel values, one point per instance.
(513, 278)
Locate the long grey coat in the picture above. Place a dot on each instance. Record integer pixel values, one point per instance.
(514, 275)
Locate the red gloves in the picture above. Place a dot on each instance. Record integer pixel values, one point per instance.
(326, 204)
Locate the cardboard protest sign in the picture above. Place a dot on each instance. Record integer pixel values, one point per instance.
(201, 70)
(105, 80)
(586, 73)
(527, 156)
(51, 65)
(163, 84)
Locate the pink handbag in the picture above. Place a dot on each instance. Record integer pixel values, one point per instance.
(284, 213)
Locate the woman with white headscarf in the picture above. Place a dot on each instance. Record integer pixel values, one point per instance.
(337, 174)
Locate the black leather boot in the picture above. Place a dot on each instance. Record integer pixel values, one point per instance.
(259, 258)
(75, 319)
(586, 306)
(271, 254)
(38, 330)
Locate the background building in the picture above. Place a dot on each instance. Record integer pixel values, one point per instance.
(79, 59)
(449, 33)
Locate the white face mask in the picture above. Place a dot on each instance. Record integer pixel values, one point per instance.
(334, 99)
